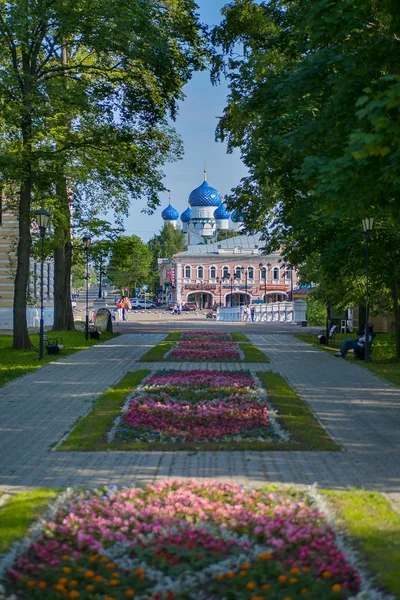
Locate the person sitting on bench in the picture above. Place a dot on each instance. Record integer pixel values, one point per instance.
(354, 344)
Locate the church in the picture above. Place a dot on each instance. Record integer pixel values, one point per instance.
(229, 272)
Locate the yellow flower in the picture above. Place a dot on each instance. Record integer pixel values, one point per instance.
(65, 557)
(110, 565)
(114, 582)
(73, 583)
(63, 580)
(90, 587)
(130, 593)
(282, 578)
(31, 583)
(66, 569)
(230, 575)
(306, 569)
(303, 591)
(104, 559)
(326, 574)
(242, 573)
(220, 577)
(245, 566)
(336, 587)
(251, 585)
(257, 598)
(294, 571)
(265, 556)
(60, 588)
(99, 579)
(293, 580)
(266, 586)
(139, 572)
(74, 594)
(116, 574)
(89, 573)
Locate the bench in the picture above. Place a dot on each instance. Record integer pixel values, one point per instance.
(53, 345)
(331, 335)
(359, 354)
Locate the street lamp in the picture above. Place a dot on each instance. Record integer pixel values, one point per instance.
(42, 219)
(86, 244)
(367, 225)
(220, 290)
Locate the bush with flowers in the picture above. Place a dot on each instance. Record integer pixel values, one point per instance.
(204, 406)
(206, 334)
(193, 540)
(205, 349)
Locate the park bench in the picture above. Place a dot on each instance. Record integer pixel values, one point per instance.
(331, 335)
(359, 353)
(53, 345)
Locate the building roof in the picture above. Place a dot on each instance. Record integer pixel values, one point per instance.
(236, 218)
(170, 213)
(186, 215)
(245, 245)
(222, 212)
(205, 195)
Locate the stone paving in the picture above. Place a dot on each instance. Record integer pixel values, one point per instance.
(360, 410)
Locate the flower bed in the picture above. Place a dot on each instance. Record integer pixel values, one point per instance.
(206, 334)
(184, 540)
(204, 406)
(205, 350)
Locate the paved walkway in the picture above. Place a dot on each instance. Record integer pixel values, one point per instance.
(361, 412)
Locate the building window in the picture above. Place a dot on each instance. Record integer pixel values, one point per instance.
(276, 274)
(213, 272)
(250, 273)
(188, 273)
(288, 274)
(238, 273)
(200, 272)
(225, 273)
(263, 274)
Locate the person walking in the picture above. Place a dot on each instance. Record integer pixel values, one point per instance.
(120, 306)
(127, 308)
(252, 312)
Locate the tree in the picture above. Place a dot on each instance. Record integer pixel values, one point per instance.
(313, 106)
(168, 242)
(85, 90)
(130, 263)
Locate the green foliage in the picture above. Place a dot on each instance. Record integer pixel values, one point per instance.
(316, 311)
(313, 106)
(130, 263)
(164, 245)
(225, 234)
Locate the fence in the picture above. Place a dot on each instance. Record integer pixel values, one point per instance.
(279, 312)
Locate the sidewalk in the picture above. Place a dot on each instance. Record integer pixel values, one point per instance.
(361, 411)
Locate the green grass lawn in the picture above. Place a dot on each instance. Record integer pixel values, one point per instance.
(384, 363)
(373, 529)
(18, 512)
(15, 363)
(294, 416)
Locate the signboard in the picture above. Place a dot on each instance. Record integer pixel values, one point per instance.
(145, 288)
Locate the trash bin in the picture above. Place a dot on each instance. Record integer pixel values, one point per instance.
(304, 323)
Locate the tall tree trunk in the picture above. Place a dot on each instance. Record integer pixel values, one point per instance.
(21, 340)
(63, 315)
(396, 313)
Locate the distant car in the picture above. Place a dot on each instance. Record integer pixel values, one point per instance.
(73, 300)
(141, 304)
(189, 306)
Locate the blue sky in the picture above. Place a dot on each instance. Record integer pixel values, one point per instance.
(196, 123)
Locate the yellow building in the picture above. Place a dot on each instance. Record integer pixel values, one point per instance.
(8, 264)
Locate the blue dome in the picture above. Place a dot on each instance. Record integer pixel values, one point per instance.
(186, 215)
(222, 212)
(170, 213)
(236, 218)
(205, 195)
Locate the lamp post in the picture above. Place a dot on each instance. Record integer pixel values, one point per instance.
(42, 219)
(231, 291)
(220, 290)
(367, 225)
(86, 244)
(101, 273)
